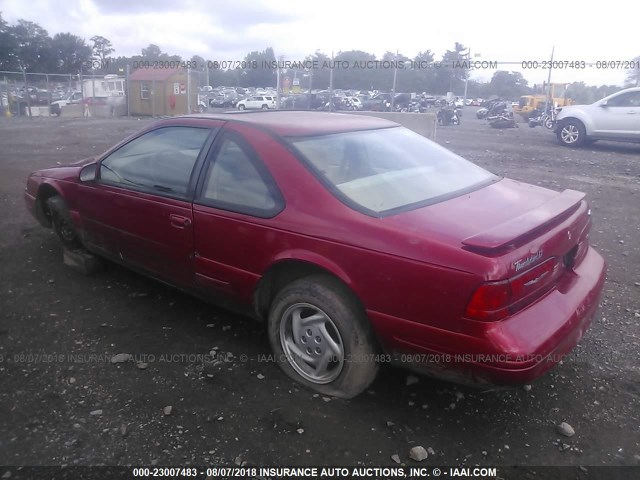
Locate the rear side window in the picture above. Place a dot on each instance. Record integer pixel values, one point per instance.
(237, 180)
(389, 170)
(160, 161)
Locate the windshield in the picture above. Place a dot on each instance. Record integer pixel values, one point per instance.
(388, 169)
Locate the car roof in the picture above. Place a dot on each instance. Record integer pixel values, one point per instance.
(301, 123)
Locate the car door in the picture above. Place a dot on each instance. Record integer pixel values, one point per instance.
(141, 201)
(235, 200)
(619, 117)
(256, 102)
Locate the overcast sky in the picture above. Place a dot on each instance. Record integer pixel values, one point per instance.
(228, 30)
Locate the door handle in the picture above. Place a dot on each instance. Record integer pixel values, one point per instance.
(179, 221)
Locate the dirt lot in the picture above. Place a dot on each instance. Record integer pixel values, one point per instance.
(63, 402)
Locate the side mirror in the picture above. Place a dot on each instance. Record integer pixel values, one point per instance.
(88, 173)
(604, 104)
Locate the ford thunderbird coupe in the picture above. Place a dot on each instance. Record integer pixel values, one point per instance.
(354, 239)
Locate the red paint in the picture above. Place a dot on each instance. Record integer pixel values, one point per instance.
(423, 275)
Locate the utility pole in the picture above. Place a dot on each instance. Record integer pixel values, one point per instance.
(548, 93)
(331, 84)
(280, 60)
(128, 92)
(395, 77)
(188, 91)
(466, 78)
(26, 91)
(310, 85)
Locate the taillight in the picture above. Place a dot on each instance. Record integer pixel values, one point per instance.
(494, 301)
(490, 302)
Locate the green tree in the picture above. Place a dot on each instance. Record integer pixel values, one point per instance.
(318, 77)
(71, 52)
(423, 71)
(508, 84)
(357, 74)
(152, 52)
(265, 74)
(580, 93)
(32, 47)
(199, 70)
(8, 45)
(633, 74)
(101, 49)
(455, 67)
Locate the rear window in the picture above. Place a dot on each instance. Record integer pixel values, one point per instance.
(388, 170)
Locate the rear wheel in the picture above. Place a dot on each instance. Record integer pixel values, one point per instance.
(321, 337)
(62, 223)
(572, 133)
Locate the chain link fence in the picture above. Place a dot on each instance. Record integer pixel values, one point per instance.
(153, 92)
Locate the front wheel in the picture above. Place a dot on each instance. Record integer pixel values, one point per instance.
(240, 107)
(321, 337)
(62, 223)
(571, 133)
(265, 107)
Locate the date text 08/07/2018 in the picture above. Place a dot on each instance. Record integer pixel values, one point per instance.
(316, 472)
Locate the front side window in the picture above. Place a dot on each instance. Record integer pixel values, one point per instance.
(631, 99)
(237, 181)
(389, 169)
(160, 161)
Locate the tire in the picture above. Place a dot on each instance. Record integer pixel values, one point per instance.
(62, 223)
(240, 107)
(571, 133)
(265, 107)
(549, 124)
(201, 108)
(339, 344)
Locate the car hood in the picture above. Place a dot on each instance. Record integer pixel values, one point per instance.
(571, 110)
(65, 172)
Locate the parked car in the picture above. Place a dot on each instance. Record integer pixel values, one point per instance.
(616, 117)
(355, 102)
(299, 101)
(56, 107)
(257, 102)
(222, 101)
(353, 238)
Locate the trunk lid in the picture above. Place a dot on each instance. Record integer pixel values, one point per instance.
(520, 225)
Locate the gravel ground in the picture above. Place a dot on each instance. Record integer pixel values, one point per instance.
(63, 401)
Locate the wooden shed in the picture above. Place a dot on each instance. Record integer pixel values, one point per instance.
(162, 91)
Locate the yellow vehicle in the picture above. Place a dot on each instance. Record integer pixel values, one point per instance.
(535, 104)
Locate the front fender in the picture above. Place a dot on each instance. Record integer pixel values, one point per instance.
(576, 114)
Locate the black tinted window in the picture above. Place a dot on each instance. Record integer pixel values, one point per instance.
(160, 160)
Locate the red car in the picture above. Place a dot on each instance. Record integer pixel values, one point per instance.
(355, 239)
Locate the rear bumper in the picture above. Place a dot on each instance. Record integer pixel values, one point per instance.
(516, 350)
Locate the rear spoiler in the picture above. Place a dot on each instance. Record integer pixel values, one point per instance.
(509, 233)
